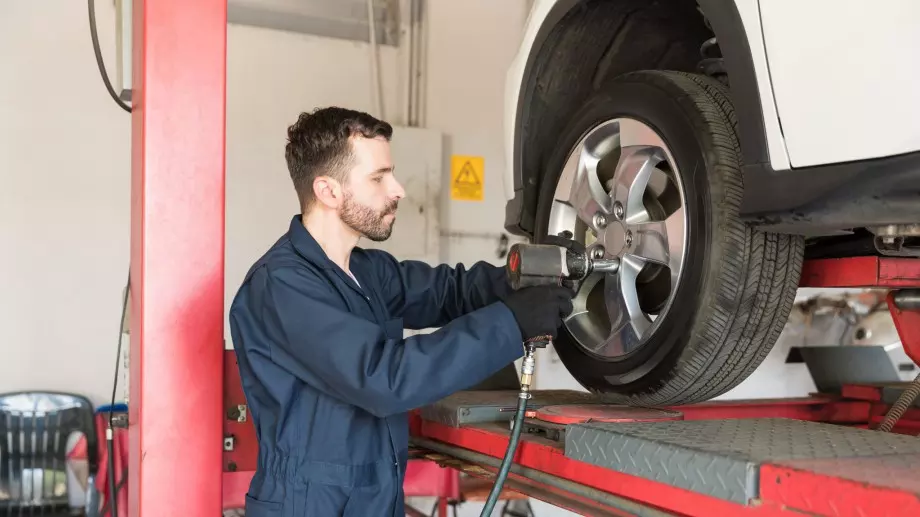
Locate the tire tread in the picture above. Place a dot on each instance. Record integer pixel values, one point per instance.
(758, 273)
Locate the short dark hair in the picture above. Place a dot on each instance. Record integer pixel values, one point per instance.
(319, 145)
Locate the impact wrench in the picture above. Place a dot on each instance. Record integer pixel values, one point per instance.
(532, 265)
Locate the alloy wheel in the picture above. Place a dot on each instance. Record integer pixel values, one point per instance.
(620, 194)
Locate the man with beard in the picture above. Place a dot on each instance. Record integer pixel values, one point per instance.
(318, 322)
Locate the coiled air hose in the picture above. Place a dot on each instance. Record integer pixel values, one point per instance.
(901, 406)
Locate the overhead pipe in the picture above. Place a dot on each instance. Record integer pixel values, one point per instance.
(376, 93)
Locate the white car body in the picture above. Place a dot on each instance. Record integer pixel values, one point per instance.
(789, 130)
(837, 81)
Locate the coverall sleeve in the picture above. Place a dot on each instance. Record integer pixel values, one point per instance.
(318, 340)
(428, 296)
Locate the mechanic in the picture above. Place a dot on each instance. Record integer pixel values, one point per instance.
(318, 322)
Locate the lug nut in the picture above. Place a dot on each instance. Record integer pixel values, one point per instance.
(597, 252)
(600, 220)
(618, 210)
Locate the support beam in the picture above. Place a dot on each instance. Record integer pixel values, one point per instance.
(177, 257)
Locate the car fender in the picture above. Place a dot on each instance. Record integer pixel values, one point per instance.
(543, 16)
(736, 23)
(844, 77)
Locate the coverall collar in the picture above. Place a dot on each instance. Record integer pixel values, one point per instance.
(307, 246)
(310, 250)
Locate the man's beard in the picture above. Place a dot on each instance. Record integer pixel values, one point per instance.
(366, 221)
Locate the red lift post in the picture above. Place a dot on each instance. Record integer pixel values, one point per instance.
(177, 258)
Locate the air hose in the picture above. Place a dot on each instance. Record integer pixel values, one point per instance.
(901, 406)
(527, 368)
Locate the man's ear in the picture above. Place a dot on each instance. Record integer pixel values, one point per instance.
(327, 191)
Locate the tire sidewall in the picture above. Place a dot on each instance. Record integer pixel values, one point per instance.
(687, 138)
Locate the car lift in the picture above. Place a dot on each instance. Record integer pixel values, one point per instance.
(819, 455)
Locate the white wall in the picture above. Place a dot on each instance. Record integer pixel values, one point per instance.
(471, 45)
(64, 201)
(65, 163)
(65, 177)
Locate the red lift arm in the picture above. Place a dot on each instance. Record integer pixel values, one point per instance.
(177, 257)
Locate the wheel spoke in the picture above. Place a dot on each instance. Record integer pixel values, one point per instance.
(632, 132)
(631, 179)
(585, 193)
(581, 322)
(628, 323)
(589, 196)
(584, 328)
(650, 242)
(580, 302)
(660, 242)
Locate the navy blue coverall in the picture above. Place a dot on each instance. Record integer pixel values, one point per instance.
(329, 378)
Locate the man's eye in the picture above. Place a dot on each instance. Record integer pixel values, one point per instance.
(378, 179)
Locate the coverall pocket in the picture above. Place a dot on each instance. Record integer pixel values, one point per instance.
(367, 502)
(258, 508)
(323, 500)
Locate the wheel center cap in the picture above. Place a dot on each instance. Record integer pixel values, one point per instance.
(616, 238)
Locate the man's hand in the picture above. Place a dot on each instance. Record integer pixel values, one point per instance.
(540, 310)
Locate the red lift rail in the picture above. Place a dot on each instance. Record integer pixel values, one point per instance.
(883, 272)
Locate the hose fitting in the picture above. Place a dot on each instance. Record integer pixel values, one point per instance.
(527, 369)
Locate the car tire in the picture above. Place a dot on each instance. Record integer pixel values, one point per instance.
(736, 285)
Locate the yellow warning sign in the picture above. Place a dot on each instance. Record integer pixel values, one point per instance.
(466, 177)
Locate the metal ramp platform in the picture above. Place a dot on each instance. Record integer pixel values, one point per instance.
(684, 460)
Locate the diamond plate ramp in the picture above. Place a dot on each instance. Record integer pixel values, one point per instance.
(721, 458)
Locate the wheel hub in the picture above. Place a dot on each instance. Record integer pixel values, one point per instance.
(620, 194)
(614, 240)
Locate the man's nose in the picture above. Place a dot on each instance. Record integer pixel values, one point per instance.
(396, 190)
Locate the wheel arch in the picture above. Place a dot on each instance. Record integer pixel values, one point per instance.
(570, 27)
